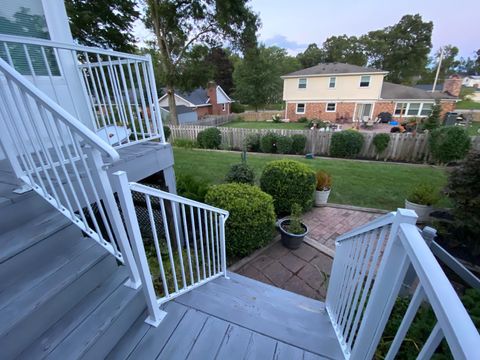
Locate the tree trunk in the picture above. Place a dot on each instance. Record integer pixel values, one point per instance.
(172, 106)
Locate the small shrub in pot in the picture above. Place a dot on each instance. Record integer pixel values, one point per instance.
(240, 173)
(210, 138)
(322, 191)
(421, 200)
(292, 230)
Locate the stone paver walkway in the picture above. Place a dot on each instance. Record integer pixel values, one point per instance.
(306, 270)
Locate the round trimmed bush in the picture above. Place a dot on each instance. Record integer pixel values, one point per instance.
(449, 143)
(252, 142)
(346, 144)
(284, 144)
(380, 141)
(251, 224)
(288, 182)
(167, 132)
(268, 143)
(298, 143)
(210, 138)
(241, 173)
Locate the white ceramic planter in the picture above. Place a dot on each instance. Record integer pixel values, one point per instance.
(423, 211)
(321, 197)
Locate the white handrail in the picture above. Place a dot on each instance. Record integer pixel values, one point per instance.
(87, 135)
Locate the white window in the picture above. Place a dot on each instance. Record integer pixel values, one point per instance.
(302, 83)
(365, 81)
(332, 82)
(413, 109)
(426, 109)
(300, 109)
(331, 107)
(224, 107)
(400, 108)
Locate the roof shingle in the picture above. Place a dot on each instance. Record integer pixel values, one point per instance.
(402, 92)
(334, 68)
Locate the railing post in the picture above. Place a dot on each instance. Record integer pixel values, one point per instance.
(389, 279)
(128, 209)
(158, 115)
(223, 246)
(102, 182)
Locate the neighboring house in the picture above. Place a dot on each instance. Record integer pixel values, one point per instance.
(337, 91)
(185, 114)
(428, 87)
(210, 101)
(471, 81)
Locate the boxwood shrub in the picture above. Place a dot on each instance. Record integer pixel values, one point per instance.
(268, 143)
(298, 143)
(284, 144)
(380, 141)
(210, 138)
(252, 142)
(346, 144)
(240, 173)
(449, 143)
(251, 224)
(288, 182)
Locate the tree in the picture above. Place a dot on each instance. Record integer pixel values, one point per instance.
(433, 120)
(178, 25)
(344, 49)
(311, 56)
(402, 49)
(106, 23)
(468, 66)
(222, 66)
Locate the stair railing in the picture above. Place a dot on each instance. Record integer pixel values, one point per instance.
(368, 271)
(179, 243)
(59, 158)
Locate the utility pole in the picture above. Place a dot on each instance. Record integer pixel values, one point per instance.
(438, 69)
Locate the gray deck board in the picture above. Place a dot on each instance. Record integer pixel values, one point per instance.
(210, 339)
(235, 343)
(286, 352)
(260, 347)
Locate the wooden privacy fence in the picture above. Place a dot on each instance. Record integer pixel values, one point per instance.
(402, 147)
(216, 120)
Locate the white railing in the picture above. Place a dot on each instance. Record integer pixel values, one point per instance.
(114, 91)
(59, 158)
(368, 271)
(184, 240)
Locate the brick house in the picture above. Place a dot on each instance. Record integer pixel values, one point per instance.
(210, 101)
(343, 92)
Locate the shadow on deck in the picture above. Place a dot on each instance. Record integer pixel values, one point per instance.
(236, 318)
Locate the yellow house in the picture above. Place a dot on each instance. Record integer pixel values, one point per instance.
(344, 92)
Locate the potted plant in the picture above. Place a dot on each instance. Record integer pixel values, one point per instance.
(421, 200)
(324, 182)
(292, 230)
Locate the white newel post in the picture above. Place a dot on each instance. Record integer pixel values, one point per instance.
(223, 245)
(389, 279)
(102, 182)
(122, 187)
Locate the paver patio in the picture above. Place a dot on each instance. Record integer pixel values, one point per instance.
(306, 270)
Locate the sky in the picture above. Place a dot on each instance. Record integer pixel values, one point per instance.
(295, 24)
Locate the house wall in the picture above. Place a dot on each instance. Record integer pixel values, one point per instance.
(203, 111)
(317, 110)
(178, 101)
(347, 87)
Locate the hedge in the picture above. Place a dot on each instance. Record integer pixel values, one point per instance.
(210, 138)
(346, 144)
(449, 143)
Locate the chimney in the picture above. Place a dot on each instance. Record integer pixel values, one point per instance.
(453, 85)
(212, 92)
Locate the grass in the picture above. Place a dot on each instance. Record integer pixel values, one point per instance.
(369, 184)
(266, 125)
(474, 129)
(468, 105)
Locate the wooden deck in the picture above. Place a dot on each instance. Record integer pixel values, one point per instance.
(236, 318)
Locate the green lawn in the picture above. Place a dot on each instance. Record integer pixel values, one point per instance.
(370, 184)
(474, 129)
(266, 125)
(468, 105)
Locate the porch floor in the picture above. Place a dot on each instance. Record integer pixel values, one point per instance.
(236, 318)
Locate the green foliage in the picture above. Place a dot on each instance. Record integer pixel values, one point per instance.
(251, 223)
(449, 143)
(185, 143)
(191, 187)
(311, 56)
(344, 49)
(284, 144)
(268, 143)
(424, 194)
(464, 189)
(276, 118)
(323, 180)
(380, 141)
(295, 224)
(241, 173)
(302, 120)
(346, 144)
(107, 24)
(167, 132)
(252, 142)
(433, 120)
(210, 138)
(289, 182)
(298, 143)
(237, 108)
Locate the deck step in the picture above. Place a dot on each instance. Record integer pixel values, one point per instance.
(33, 311)
(51, 338)
(32, 230)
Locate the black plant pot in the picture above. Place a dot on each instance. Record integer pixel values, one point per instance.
(289, 240)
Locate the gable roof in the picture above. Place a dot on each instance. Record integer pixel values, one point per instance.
(428, 87)
(402, 92)
(181, 109)
(334, 69)
(197, 97)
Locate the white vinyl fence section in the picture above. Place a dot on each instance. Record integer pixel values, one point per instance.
(368, 271)
(402, 147)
